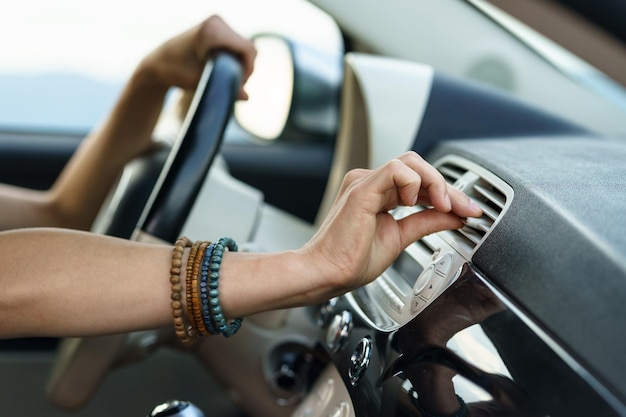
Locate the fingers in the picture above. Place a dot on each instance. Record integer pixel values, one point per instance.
(215, 35)
(424, 223)
(383, 189)
(403, 181)
(352, 177)
(406, 181)
(437, 192)
(433, 184)
(179, 61)
(462, 205)
(409, 180)
(359, 238)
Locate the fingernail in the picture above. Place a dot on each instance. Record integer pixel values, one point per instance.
(448, 202)
(474, 206)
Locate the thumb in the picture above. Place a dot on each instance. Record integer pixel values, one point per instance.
(425, 222)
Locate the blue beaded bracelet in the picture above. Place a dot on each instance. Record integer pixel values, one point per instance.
(219, 324)
(204, 291)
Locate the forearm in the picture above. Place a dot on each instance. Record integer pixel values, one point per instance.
(62, 282)
(78, 193)
(66, 283)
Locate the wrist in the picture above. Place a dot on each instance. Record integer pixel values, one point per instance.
(148, 76)
(253, 283)
(334, 272)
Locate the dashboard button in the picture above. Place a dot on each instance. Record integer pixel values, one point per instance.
(431, 288)
(360, 360)
(338, 331)
(423, 280)
(326, 311)
(417, 304)
(325, 391)
(443, 264)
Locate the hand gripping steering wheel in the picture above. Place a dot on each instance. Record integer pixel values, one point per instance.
(147, 207)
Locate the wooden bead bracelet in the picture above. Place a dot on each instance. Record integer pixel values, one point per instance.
(180, 327)
(204, 313)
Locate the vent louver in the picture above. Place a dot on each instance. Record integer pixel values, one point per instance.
(491, 193)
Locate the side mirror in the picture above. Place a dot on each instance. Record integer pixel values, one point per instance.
(293, 92)
(269, 88)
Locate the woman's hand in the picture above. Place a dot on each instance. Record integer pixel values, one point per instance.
(359, 239)
(180, 60)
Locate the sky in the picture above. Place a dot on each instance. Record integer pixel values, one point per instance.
(63, 62)
(106, 40)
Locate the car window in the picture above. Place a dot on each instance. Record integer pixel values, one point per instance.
(458, 38)
(63, 64)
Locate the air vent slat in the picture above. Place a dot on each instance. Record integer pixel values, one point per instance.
(488, 210)
(460, 240)
(484, 188)
(485, 227)
(482, 224)
(451, 173)
(471, 234)
(491, 195)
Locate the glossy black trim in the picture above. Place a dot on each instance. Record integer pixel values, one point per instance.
(137, 190)
(472, 342)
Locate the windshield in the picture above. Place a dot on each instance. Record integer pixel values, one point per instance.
(63, 63)
(459, 38)
(562, 58)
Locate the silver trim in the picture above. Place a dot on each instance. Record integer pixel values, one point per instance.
(339, 331)
(360, 360)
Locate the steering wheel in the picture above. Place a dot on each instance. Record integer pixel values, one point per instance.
(152, 204)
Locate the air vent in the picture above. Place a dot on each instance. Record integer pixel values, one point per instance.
(490, 192)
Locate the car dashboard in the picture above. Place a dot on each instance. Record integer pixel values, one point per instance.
(428, 266)
(481, 320)
(517, 313)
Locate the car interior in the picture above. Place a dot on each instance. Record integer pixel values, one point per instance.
(518, 313)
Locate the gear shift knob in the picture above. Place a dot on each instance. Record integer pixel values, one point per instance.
(176, 408)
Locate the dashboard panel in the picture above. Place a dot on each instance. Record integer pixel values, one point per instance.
(471, 348)
(517, 313)
(504, 316)
(428, 266)
(559, 252)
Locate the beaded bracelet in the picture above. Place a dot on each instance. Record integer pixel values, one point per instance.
(215, 262)
(204, 312)
(196, 311)
(177, 306)
(189, 285)
(205, 287)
